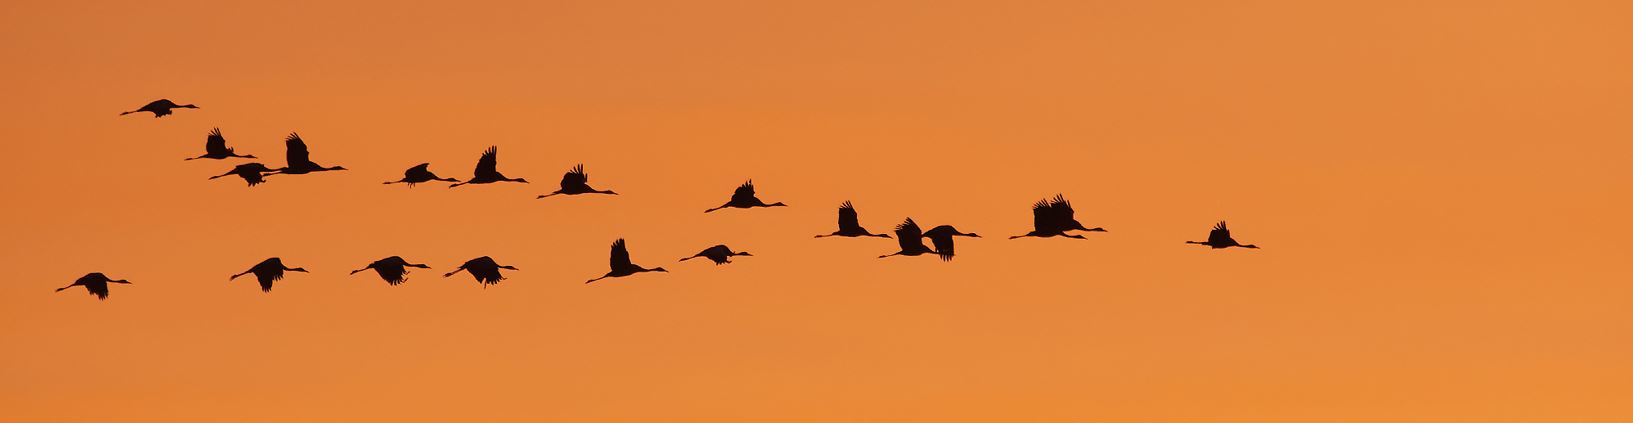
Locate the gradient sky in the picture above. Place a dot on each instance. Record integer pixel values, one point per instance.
(1441, 189)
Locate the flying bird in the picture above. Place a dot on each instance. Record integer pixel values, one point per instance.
(253, 173)
(620, 263)
(391, 269)
(576, 182)
(215, 147)
(1054, 218)
(484, 269)
(719, 254)
(1219, 237)
(487, 170)
(268, 271)
(95, 283)
(744, 198)
(298, 160)
(911, 240)
(418, 174)
(160, 107)
(848, 225)
(942, 238)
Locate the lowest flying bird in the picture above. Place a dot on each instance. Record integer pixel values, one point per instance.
(253, 173)
(719, 254)
(911, 240)
(392, 269)
(297, 160)
(621, 266)
(420, 173)
(96, 283)
(268, 271)
(484, 269)
(942, 238)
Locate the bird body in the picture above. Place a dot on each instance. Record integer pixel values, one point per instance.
(621, 266)
(1054, 218)
(215, 147)
(253, 173)
(391, 269)
(96, 283)
(942, 238)
(420, 173)
(849, 226)
(160, 108)
(268, 271)
(911, 240)
(487, 170)
(744, 198)
(298, 160)
(576, 182)
(484, 269)
(1219, 237)
(719, 254)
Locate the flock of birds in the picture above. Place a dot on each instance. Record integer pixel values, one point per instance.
(1050, 217)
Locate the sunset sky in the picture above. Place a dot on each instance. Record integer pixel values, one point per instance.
(1442, 191)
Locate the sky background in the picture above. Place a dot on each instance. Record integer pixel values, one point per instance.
(1441, 190)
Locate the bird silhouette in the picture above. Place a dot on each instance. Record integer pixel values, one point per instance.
(418, 174)
(744, 198)
(942, 238)
(1054, 218)
(215, 147)
(576, 182)
(160, 107)
(96, 283)
(268, 271)
(487, 170)
(391, 269)
(484, 269)
(1219, 237)
(848, 225)
(298, 160)
(253, 173)
(911, 240)
(620, 263)
(719, 254)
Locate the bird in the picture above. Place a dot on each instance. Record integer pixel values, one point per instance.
(1054, 218)
(487, 170)
(942, 238)
(96, 283)
(253, 173)
(298, 160)
(620, 263)
(484, 269)
(848, 225)
(744, 198)
(391, 269)
(911, 240)
(160, 107)
(576, 182)
(719, 254)
(268, 271)
(215, 147)
(1219, 237)
(418, 174)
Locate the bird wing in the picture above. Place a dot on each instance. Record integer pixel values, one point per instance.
(908, 235)
(1062, 209)
(575, 177)
(620, 255)
(98, 289)
(744, 192)
(489, 163)
(297, 153)
(215, 144)
(1219, 234)
(847, 217)
(1041, 216)
(943, 241)
(422, 168)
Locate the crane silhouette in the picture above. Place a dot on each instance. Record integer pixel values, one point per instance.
(160, 108)
(96, 283)
(1054, 218)
(391, 269)
(215, 147)
(848, 224)
(1219, 237)
(484, 269)
(298, 160)
(719, 254)
(268, 271)
(621, 265)
(911, 240)
(253, 173)
(744, 198)
(418, 174)
(576, 182)
(487, 170)
(942, 238)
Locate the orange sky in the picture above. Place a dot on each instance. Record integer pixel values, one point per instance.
(1441, 190)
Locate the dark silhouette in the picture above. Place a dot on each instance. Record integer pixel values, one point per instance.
(268, 271)
(391, 269)
(484, 269)
(942, 238)
(1054, 218)
(215, 147)
(298, 160)
(620, 263)
(487, 170)
(253, 173)
(848, 225)
(418, 174)
(911, 240)
(576, 182)
(160, 107)
(744, 198)
(1219, 237)
(95, 283)
(719, 254)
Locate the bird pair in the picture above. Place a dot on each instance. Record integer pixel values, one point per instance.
(298, 159)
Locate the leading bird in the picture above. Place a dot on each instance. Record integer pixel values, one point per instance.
(95, 283)
(160, 108)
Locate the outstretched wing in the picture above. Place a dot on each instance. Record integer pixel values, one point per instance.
(1220, 235)
(909, 236)
(1061, 213)
(575, 177)
(215, 144)
(1041, 217)
(422, 168)
(620, 254)
(489, 163)
(297, 153)
(744, 192)
(943, 241)
(847, 217)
